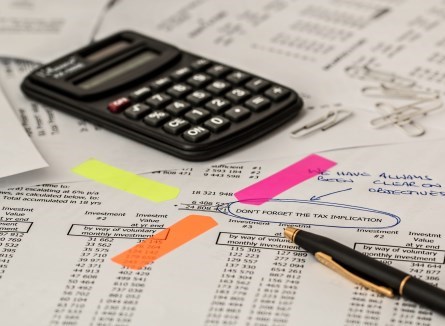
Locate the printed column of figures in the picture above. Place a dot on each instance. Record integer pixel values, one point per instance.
(369, 308)
(245, 297)
(117, 304)
(15, 224)
(421, 260)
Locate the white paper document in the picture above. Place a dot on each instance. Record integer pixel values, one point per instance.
(387, 202)
(18, 153)
(303, 44)
(271, 39)
(43, 30)
(375, 67)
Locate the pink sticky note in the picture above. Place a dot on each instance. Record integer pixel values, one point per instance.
(268, 188)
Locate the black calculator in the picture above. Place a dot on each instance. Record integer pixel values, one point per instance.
(175, 101)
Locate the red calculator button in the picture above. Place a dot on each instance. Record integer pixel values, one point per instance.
(118, 105)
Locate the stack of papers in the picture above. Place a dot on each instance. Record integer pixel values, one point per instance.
(96, 229)
(18, 152)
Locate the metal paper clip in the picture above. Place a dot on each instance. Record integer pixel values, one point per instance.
(401, 93)
(411, 128)
(403, 113)
(330, 119)
(367, 73)
(403, 116)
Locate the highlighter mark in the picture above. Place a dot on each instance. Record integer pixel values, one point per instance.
(283, 180)
(165, 241)
(126, 181)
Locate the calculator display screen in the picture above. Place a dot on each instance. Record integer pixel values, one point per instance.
(107, 51)
(117, 70)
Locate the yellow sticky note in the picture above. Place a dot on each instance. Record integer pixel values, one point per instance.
(126, 181)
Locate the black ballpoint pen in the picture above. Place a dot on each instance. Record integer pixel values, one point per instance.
(367, 271)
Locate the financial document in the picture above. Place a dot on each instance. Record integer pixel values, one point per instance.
(58, 242)
(75, 252)
(338, 76)
(43, 30)
(18, 153)
(305, 45)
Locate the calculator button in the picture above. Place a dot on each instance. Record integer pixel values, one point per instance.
(237, 113)
(176, 126)
(199, 80)
(218, 87)
(198, 97)
(257, 85)
(140, 94)
(119, 105)
(277, 93)
(218, 71)
(196, 134)
(197, 115)
(238, 95)
(201, 64)
(217, 105)
(177, 108)
(156, 118)
(179, 90)
(161, 83)
(238, 77)
(137, 111)
(159, 100)
(217, 124)
(257, 103)
(181, 73)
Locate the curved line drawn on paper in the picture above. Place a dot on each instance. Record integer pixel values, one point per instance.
(383, 219)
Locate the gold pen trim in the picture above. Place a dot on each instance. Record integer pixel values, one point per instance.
(403, 283)
(329, 262)
(291, 233)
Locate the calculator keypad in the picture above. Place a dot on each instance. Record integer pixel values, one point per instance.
(258, 103)
(237, 113)
(199, 100)
(140, 94)
(217, 105)
(177, 108)
(257, 85)
(197, 115)
(217, 124)
(156, 118)
(182, 73)
(159, 100)
(137, 111)
(218, 87)
(238, 77)
(199, 80)
(238, 95)
(119, 105)
(200, 64)
(176, 126)
(179, 90)
(198, 97)
(196, 134)
(218, 71)
(161, 84)
(277, 93)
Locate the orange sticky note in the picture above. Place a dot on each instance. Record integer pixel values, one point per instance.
(165, 241)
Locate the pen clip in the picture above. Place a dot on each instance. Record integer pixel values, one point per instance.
(329, 262)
